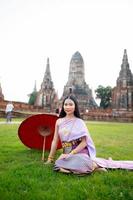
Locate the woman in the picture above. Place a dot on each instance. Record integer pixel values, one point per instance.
(79, 153)
(78, 147)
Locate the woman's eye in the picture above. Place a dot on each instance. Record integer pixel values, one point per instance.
(68, 104)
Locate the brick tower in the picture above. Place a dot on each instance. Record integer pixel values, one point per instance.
(122, 94)
(47, 98)
(76, 83)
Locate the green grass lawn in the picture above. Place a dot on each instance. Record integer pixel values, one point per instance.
(23, 175)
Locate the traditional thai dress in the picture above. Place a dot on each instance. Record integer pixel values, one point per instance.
(71, 132)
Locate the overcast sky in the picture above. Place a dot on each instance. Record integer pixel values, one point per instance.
(32, 30)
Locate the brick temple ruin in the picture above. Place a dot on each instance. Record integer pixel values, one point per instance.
(47, 99)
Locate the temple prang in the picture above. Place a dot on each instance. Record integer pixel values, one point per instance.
(76, 84)
(122, 94)
(47, 98)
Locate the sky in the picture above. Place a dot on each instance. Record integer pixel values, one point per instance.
(33, 30)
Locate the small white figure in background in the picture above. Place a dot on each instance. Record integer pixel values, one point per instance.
(8, 111)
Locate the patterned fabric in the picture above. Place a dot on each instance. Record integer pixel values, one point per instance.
(74, 129)
(76, 163)
(71, 132)
(69, 146)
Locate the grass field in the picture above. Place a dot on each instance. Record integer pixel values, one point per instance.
(23, 176)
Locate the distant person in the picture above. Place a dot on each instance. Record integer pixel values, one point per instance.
(8, 111)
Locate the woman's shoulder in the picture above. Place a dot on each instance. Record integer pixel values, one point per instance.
(59, 121)
(80, 120)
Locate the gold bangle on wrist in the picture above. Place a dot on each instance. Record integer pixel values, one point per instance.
(73, 151)
(50, 158)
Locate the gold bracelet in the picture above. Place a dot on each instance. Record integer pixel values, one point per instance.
(50, 158)
(73, 151)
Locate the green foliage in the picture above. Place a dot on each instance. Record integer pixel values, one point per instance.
(23, 175)
(104, 93)
(32, 98)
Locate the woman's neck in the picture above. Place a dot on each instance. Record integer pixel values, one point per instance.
(70, 116)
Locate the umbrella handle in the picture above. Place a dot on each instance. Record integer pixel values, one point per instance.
(43, 148)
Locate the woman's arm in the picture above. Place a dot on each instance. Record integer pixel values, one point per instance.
(54, 144)
(80, 147)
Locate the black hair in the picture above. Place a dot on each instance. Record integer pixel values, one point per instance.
(76, 111)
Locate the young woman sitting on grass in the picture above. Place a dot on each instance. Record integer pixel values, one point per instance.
(79, 153)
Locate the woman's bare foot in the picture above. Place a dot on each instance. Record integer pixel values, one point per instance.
(64, 171)
(97, 168)
(100, 169)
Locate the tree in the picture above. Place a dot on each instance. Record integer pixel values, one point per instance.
(104, 93)
(32, 98)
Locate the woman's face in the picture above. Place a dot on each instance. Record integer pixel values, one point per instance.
(69, 106)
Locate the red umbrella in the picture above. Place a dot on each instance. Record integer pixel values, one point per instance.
(37, 131)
